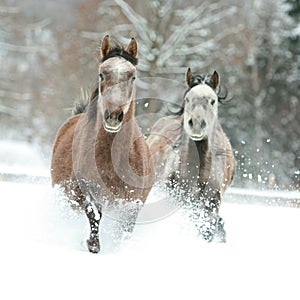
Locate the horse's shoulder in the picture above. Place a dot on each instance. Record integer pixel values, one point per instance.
(223, 149)
(169, 126)
(168, 120)
(164, 135)
(220, 134)
(66, 130)
(70, 123)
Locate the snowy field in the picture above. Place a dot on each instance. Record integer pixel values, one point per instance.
(43, 253)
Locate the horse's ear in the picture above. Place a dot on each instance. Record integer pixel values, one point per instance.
(215, 80)
(132, 48)
(105, 46)
(188, 76)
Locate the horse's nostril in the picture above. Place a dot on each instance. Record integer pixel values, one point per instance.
(120, 116)
(106, 115)
(191, 124)
(203, 124)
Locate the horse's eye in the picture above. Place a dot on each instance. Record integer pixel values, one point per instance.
(132, 79)
(187, 100)
(212, 102)
(101, 76)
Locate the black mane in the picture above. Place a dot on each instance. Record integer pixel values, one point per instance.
(206, 79)
(84, 105)
(203, 79)
(120, 51)
(200, 79)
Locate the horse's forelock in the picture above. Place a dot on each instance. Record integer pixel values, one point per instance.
(206, 79)
(119, 50)
(200, 79)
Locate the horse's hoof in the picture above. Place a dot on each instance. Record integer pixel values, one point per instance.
(220, 237)
(93, 245)
(220, 232)
(207, 236)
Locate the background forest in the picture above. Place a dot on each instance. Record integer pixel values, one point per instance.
(49, 53)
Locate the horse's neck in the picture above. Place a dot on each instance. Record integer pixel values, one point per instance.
(121, 141)
(129, 123)
(198, 153)
(205, 157)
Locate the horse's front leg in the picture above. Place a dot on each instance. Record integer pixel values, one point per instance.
(94, 216)
(128, 217)
(209, 224)
(220, 234)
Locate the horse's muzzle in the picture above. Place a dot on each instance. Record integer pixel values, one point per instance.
(113, 120)
(196, 129)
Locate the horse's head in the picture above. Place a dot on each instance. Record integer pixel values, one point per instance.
(200, 105)
(116, 82)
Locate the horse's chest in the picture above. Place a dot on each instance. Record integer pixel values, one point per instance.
(170, 163)
(109, 176)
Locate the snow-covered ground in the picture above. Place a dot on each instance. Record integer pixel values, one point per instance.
(43, 253)
(20, 158)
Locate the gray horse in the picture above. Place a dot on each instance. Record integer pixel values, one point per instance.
(193, 155)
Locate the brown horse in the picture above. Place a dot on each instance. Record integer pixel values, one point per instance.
(193, 155)
(100, 157)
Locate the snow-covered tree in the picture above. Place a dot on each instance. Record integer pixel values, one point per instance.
(264, 101)
(247, 42)
(171, 34)
(25, 46)
(49, 51)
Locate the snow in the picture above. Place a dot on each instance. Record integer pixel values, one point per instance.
(44, 256)
(20, 158)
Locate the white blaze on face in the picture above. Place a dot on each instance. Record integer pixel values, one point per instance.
(118, 86)
(200, 111)
(124, 73)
